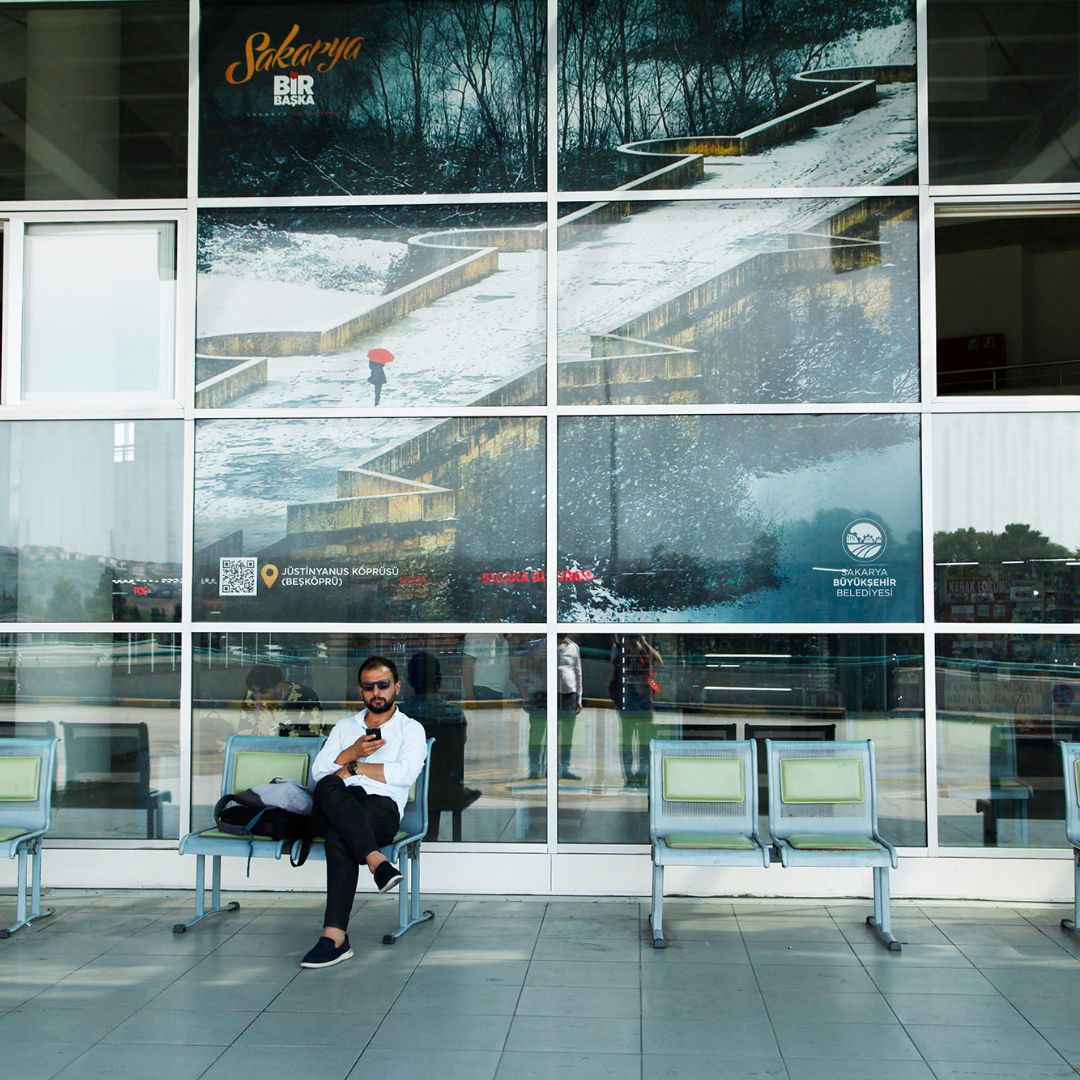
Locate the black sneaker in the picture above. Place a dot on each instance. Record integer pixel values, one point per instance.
(327, 954)
(387, 876)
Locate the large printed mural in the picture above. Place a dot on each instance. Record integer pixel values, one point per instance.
(379, 97)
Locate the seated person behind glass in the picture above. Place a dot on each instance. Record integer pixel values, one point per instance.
(281, 707)
(444, 721)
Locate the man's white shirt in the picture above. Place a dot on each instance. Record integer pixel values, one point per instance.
(402, 756)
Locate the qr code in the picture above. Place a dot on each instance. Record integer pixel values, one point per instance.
(237, 577)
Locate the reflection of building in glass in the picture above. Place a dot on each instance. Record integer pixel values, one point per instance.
(93, 527)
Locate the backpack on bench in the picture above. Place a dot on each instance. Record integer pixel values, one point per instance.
(278, 810)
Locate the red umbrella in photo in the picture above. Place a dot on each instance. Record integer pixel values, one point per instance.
(380, 356)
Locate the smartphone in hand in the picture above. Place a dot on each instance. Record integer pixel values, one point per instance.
(373, 731)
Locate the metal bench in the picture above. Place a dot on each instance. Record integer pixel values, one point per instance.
(27, 770)
(249, 760)
(823, 812)
(1070, 760)
(703, 810)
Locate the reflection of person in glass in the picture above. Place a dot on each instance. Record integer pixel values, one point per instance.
(632, 687)
(532, 681)
(444, 722)
(534, 701)
(569, 701)
(278, 706)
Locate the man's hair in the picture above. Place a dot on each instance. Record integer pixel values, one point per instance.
(423, 672)
(263, 677)
(377, 661)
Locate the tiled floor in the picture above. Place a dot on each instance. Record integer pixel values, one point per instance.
(530, 989)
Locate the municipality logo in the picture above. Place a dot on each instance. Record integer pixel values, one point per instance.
(864, 539)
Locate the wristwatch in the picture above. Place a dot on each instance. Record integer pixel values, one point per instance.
(352, 768)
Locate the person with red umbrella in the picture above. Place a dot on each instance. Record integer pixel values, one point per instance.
(377, 361)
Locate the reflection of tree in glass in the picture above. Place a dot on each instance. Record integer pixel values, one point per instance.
(66, 602)
(638, 69)
(1016, 541)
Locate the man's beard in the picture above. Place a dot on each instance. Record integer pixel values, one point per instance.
(383, 709)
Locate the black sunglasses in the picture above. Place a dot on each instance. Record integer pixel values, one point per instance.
(382, 684)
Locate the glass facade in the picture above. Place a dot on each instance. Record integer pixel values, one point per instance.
(475, 694)
(536, 373)
(94, 99)
(113, 700)
(738, 686)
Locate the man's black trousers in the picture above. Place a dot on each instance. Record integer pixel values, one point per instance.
(354, 824)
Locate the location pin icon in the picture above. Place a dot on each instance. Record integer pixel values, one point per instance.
(269, 574)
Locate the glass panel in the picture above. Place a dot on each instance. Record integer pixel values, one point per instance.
(94, 100)
(1004, 91)
(370, 520)
(1005, 285)
(379, 98)
(468, 690)
(1003, 702)
(1005, 539)
(113, 700)
(90, 524)
(803, 94)
(738, 686)
(696, 302)
(739, 519)
(116, 285)
(449, 300)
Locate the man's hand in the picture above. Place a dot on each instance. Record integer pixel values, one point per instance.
(365, 746)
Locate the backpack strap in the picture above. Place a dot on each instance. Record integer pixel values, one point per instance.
(302, 853)
(246, 831)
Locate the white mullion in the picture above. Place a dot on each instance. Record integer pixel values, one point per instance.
(434, 412)
(551, 355)
(922, 95)
(74, 213)
(184, 362)
(928, 383)
(321, 629)
(1007, 192)
(11, 300)
(777, 408)
(186, 721)
(194, 15)
(187, 530)
(736, 194)
(930, 729)
(485, 198)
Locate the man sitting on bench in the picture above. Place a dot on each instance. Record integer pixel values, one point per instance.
(363, 775)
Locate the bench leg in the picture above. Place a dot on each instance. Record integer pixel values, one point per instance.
(656, 919)
(24, 914)
(409, 913)
(216, 908)
(881, 920)
(1074, 922)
